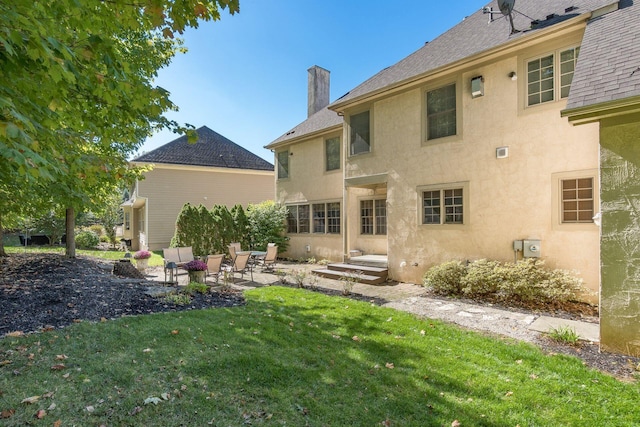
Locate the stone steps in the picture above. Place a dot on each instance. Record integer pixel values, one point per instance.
(364, 274)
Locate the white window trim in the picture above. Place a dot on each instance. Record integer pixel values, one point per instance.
(556, 75)
(440, 187)
(374, 234)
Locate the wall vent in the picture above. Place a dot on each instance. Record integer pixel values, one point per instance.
(502, 152)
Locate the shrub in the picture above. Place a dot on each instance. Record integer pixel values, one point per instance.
(525, 282)
(483, 277)
(97, 228)
(87, 239)
(445, 279)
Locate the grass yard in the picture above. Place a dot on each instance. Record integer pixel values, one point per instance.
(294, 357)
(155, 260)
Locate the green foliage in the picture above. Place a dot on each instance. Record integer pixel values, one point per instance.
(177, 299)
(446, 278)
(195, 287)
(564, 334)
(211, 231)
(51, 223)
(526, 281)
(87, 239)
(97, 228)
(268, 225)
(77, 95)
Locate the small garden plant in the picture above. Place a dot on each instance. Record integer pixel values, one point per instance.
(564, 334)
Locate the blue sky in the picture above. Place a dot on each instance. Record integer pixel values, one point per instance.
(245, 76)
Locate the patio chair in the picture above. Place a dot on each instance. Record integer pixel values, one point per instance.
(233, 248)
(269, 260)
(241, 264)
(214, 265)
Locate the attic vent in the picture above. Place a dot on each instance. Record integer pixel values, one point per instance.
(291, 132)
(570, 9)
(553, 15)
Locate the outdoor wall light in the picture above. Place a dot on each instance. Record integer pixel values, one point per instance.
(513, 76)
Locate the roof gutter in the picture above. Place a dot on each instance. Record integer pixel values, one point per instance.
(302, 137)
(603, 110)
(473, 60)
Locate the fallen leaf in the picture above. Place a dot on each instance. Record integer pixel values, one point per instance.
(455, 423)
(90, 409)
(135, 410)
(533, 376)
(41, 414)
(61, 357)
(509, 393)
(422, 332)
(52, 407)
(389, 365)
(153, 399)
(165, 396)
(66, 375)
(30, 400)
(386, 423)
(103, 319)
(146, 350)
(47, 395)
(356, 338)
(5, 362)
(58, 423)
(519, 361)
(175, 332)
(58, 367)
(7, 413)
(15, 334)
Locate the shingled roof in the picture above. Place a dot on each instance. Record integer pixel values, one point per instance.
(474, 35)
(211, 149)
(608, 67)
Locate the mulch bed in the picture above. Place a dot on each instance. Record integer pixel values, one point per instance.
(47, 291)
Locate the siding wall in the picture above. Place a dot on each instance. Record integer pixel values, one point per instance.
(167, 189)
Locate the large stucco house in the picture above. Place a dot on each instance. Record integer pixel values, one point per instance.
(486, 142)
(212, 171)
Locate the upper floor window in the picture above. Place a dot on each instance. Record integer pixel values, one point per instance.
(360, 141)
(283, 164)
(577, 200)
(373, 216)
(332, 153)
(445, 206)
(544, 84)
(441, 112)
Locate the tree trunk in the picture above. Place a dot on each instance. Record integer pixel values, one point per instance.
(2, 252)
(70, 251)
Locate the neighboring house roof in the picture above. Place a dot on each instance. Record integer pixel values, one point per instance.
(211, 149)
(474, 35)
(320, 121)
(608, 67)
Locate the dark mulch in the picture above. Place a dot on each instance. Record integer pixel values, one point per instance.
(47, 291)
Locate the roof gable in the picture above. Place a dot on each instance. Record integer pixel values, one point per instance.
(211, 149)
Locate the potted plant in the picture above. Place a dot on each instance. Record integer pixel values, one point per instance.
(142, 259)
(197, 270)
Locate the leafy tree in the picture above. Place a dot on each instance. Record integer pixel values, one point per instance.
(268, 225)
(77, 94)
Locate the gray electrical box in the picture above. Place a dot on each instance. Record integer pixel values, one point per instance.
(517, 245)
(531, 248)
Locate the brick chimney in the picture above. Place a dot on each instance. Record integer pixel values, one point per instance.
(318, 91)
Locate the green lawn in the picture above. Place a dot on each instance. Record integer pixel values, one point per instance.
(294, 357)
(155, 260)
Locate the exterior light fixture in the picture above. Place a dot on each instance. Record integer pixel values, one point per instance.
(172, 267)
(513, 76)
(477, 86)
